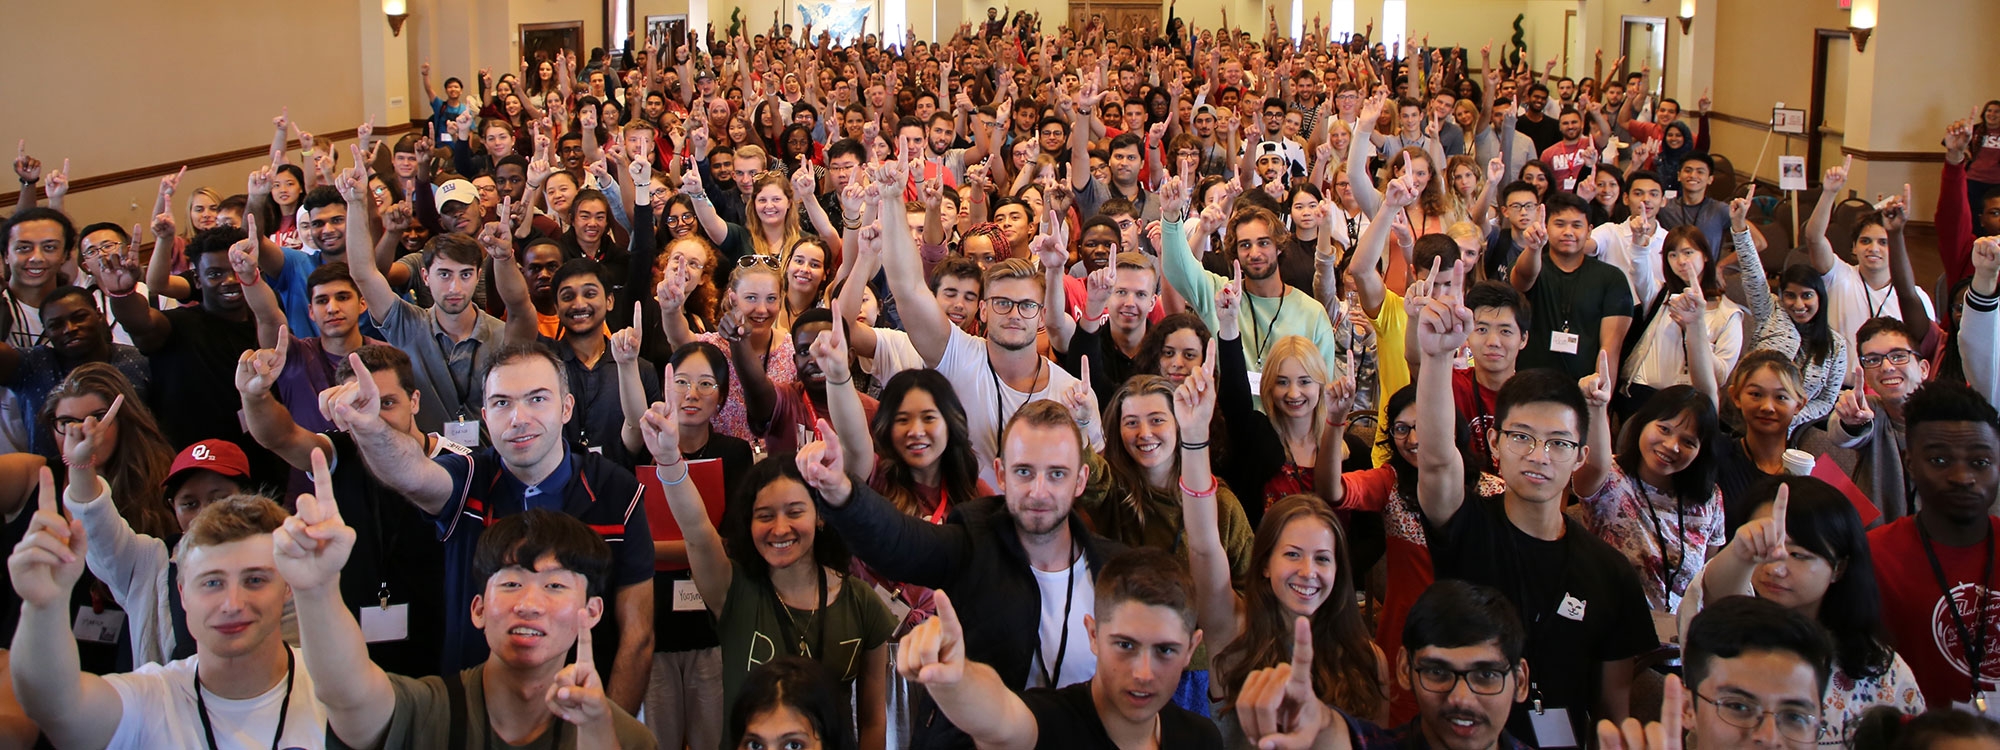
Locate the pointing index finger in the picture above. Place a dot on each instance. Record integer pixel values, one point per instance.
(584, 657)
(1302, 649)
(46, 499)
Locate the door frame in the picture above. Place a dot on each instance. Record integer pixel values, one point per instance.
(1659, 80)
(1816, 111)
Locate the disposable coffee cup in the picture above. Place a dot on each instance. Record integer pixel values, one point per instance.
(1797, 462)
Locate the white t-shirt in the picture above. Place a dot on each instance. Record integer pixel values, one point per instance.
(1850, 303)
(988, 400)
(1641, 263)
(1078, 663)
(160, 711)
(893, 354)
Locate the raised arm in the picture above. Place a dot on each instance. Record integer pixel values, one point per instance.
(1756, 291)
(625, 345)
(711, 222)
(1359, 149)
(843, 402)
(1366, 263)
(1908, 298)
(929, 329)
(1528, 268)
(73, 708)
(160, 278)
(1815, 232)
(509, 281)
(1590, 476)
(1980, 328)
(393, 457)
(270, 422)
(118, 275)
(309, 550)
(971, 694)
(263, 303)
(706, 559)
(1441, 324)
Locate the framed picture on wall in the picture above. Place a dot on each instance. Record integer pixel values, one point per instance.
(1791, 121)
(541, 41)
(660, 30)
(846, 20)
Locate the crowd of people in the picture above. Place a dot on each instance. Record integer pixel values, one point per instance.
(1038, 387)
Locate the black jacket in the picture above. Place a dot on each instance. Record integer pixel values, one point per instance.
(977, 558)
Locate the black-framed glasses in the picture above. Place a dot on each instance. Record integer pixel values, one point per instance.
(1795, 724)
(1029, 308)
(751, 260)
(683, 218)
(1897, 357)
(1523, 444)
(1401, 430)
(1480, 680)
(64, 424)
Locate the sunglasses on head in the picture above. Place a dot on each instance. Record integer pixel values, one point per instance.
(751, 260)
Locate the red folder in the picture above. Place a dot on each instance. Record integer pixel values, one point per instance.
(707, 477)
(1829, 472)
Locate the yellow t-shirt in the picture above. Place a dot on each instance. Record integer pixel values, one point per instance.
(1391, 368)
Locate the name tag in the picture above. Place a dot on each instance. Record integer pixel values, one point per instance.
(687, 598)
(384, 624)
(1984, 703)
(1552, 728)
(1563, 342)
(1672, 194)
(463, 432)
(1569, 184)
(98, 627)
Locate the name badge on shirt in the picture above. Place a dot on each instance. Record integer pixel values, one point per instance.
(687, 597)
(1569, 184)
(1563, 342)
(98, 627)
(1672, 194)
(463, 432)
(383, 624)
(1572, 608)
(1552, 728)
(1984, 703)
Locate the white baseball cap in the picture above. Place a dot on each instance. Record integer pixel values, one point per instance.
(455, 190)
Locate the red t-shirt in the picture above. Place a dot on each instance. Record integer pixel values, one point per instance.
(1568, 162)
(1475, 406)
(1923, 631)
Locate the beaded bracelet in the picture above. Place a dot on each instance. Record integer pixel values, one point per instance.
(1213, 486)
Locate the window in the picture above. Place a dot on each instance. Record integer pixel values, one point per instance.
(1395, 15)
(1340, 20)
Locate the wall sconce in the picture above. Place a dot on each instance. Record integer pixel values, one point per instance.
(1687, 15)
(398, 12)
(1861, 23)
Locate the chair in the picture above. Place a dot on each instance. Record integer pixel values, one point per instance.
(1725, 184)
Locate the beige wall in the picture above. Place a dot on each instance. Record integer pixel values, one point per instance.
(146, 91)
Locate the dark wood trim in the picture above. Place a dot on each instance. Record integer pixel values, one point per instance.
(1916, 157)
(154, 171)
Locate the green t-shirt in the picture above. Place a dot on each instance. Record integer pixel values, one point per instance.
(753, 631)
(423, 720)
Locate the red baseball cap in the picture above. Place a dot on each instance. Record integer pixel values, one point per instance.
(219, 456)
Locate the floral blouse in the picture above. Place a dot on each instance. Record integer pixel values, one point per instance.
(733, 419)
(1638, 519)
(1847, 698)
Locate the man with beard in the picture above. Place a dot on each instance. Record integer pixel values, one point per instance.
(1021, 567)
(1573, 153)
(525, 403)
(1578, 306)
(74, 333)
(1271, 310)
(453, 340)
(194, 349)
(308, 363)
(778, 414)
(1128, 156)
(582, 299)
(1930, 565)
(996, 374)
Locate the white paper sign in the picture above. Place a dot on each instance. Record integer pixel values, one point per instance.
(1791, 173)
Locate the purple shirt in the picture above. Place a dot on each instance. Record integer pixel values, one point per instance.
(308, 370)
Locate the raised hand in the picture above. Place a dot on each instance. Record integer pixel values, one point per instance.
(576, 695)
(1597, 385)
(313, 544)
(1895, 211)
(1739, 214)
(933, 653)
(1664, 734)
(1986, 261)
(824, 468)
(26, 167)
(1194, 400)
(243, 254)
(1536, 236)
(58, 185)
(1763, 540)
(804, 183)
(259, 182)
(1080, 397)
(1687, 307)
(829, 349)
(258, 369)
(1174, 197)
(660, 428)
(1229, 304)
(358, 408)
(1443, 323)
(625, 343)
(86, 446)
(1853, 408)
(48, 560)
(1277, 707)
(1836, 177)
(1097, 290)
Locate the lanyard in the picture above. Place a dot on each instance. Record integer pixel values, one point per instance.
(1270, 329)
(1049, 676)
(284, 708)
(937, 515)
(1668, 573)
(1874, 308)
(999, 396)
(1975, 650)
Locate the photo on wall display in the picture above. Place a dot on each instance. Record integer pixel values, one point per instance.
(846, 20)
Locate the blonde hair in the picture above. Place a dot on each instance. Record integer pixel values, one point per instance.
(231, 519)
(758, 243)
(1014, 268)
(1303, 350)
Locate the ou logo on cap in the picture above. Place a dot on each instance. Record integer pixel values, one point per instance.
(201, 453)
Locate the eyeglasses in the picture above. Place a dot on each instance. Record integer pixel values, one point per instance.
(703, 387)
(1480, 680)
(1522, 206)
(1029, 308)
(1400, 430)
(751, 260)
(1523, 444)
(92, 251)
(680, 218)
(1796, 725)
(1897, 357)
(65, 424)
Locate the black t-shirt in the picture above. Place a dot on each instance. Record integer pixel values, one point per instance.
(1580, 602)
(1735, 472)
(692, 630)
(1296, 264)
(1576, 302)
(1546, 133)
(395, 553)
(1068, 719)
(193, 393)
